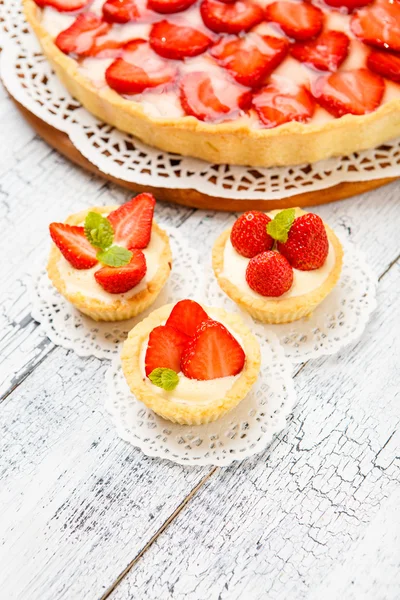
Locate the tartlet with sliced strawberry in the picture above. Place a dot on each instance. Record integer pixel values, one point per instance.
(190, 363)
(110, 262)
(278, 266)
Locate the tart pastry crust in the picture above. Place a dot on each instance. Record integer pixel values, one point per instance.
(117, 310)
(231, 142)
(189, 413)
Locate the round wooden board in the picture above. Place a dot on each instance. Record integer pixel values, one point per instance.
(192, 198)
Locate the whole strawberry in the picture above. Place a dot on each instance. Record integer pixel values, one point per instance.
(269, 274)
(249, 234)
(307, 245)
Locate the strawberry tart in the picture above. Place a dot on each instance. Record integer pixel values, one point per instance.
(278, 266)
(110, 262)
(253, 82)
(191, 364)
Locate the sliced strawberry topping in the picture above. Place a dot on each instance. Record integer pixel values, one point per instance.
(121, 11)
(73, 245)
(118, 280)
(298, 20)
(139, 68)
(132, 222)
(212, 99)
(385, 64)
(213, 352)
(379, 24)
(354, 92)
(283, 101)
(80, 37)
(177, 41)
(104, 47)
(230, 18)
(349, 5)
(63, 5)
(167, 7)
(164, 349)
(326, 53)
(250, 59)
(186, 316)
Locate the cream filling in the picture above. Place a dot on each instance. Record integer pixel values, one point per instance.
(190, 391)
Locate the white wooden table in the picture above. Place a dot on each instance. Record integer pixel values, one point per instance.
(85, 516)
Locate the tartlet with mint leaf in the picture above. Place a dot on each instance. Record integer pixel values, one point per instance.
(110, 262)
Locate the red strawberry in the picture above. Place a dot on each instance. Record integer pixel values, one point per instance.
(212, 99)
(104, 47)
(250, 59)
(269, 274)
(354, 92)
(282, 101)
(63, 5)
(326, 53)
(213, 352)
(80, 36)
(249, 234)
(385, 64)
(139, 68)
(307, 245)
(167, 7)
(177, 41)
(73, 245)
(132, 222)
(164, 349)
(298, 20)
(379, 24)
(118, 280)
(186, 316)
(350, 5)
(230, 18)
(121, 11)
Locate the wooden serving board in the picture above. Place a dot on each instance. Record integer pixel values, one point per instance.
(193, 198)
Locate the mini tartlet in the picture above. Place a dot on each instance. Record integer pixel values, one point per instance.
(305, 289)
(220, 344)
(95, 288)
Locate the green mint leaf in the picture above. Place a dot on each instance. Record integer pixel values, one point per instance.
(280, 225)
(116, 256)
(166, 379)
(98, 230)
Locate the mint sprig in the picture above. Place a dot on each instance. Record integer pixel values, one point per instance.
(100, 233)
(164, 378)
(280, 225)
(115, 256)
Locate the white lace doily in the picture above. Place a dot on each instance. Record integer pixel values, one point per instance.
(244, 431)
(339, 320)
(28, 77)
(66, 326)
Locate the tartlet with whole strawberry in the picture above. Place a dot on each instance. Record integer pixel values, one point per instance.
(110, 262)
(190, 363)
(278, 266)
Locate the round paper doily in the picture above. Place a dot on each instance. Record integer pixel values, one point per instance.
(338, 321)
(246, 430)
(28, 77)
(66, 326)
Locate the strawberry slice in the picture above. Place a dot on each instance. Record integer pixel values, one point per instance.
(164, 349)
(385, 64)
(213, 352)
(354, 92)
(177, 41)
(186, 316)
(121, 11)
(132, 222)
(326, 53)
(230, 18)
(349, 5)
(252, 58)
(73, 245)
(139, 68)
(212, 99)
(298, 20)
(80, 37)
(118, 280)
(63, 5)
(166, 7)
(104, 47)
(379, 24)
(283, 101)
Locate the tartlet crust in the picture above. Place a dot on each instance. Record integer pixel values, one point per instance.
(196, 413)
(225, 143)
(117, 310)
(276, 310)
